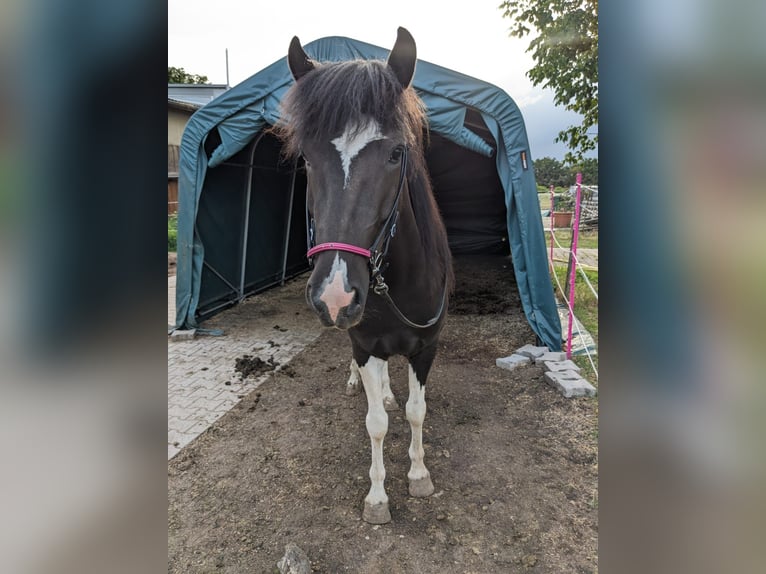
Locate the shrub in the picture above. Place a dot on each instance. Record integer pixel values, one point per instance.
(563, 202)
(172, 232)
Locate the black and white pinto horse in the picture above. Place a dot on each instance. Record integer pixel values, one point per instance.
(382, 265)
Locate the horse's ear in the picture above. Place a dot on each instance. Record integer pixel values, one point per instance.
(403, 56)
(298, 61)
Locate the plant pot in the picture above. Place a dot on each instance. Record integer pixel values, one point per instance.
(561, 219)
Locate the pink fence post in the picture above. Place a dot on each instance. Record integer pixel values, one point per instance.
(573, 270)
(551, 212)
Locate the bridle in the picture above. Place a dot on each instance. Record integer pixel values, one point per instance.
(376, 254)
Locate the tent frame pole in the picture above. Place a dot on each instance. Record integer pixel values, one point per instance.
(248, 192)
(289, 222)
(217, 274)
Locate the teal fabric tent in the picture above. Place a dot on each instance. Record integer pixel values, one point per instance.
(241, 225)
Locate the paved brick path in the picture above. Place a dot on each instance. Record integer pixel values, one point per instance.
(272, 324)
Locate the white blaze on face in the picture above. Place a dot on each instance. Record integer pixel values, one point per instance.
(334, 294)
(353, 141)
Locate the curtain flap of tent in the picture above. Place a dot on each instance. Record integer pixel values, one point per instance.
(448, 119)
(470, 140)
(530, 260)
(445, 118)
(237, 132)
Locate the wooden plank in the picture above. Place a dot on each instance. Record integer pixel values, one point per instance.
(172, 196)
(173, 153)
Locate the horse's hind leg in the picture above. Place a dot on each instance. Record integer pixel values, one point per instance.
(389, 401)
(418, 475)
(352, 385)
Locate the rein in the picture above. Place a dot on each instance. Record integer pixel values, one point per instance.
(376, 253)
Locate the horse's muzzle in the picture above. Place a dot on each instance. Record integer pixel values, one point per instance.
(335, 306)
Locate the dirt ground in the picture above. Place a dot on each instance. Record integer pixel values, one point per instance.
(514, 463)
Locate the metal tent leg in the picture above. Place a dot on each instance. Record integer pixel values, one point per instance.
(221, 277)
(248, 192)
(289, 222)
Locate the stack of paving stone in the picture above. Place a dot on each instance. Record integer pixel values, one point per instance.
(561, 373)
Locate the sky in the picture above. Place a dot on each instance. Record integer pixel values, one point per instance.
(470, 37)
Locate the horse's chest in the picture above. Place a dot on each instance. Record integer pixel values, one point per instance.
(383, 340)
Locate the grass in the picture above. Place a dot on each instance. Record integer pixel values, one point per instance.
(585, 309)
(172, 232)
(585, 240)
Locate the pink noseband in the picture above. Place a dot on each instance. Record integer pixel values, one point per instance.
(338, 247)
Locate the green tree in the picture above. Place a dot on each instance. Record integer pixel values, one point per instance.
(565, 51)
(550, 171)
(181, 76)
(588, 167)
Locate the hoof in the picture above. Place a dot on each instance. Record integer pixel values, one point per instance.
(390, 404)
(376, 513)
(421, 487)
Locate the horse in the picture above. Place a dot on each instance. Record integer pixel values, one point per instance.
(382, 267)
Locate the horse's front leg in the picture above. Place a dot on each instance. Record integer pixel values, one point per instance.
(418, 475)
(376, 503)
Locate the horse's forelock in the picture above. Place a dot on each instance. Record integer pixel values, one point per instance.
(336, 96)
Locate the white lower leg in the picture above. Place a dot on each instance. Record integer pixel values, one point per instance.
(376, 502)
(420, 479)
(353, 386)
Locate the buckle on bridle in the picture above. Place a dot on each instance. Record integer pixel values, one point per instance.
(380, 286)
(375, 263)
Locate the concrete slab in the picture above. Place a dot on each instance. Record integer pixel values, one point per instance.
(513, 361)
(171, 301)
(551, 356)
(531, 351)
(570, 384)
(183, 335)
(564, 375)
(563, 365)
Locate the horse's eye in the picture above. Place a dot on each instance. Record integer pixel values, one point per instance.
(396, 154)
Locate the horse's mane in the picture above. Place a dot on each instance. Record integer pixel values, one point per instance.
(433, 234)
(336, 95)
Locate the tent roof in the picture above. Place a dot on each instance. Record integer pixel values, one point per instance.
(452, 99)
